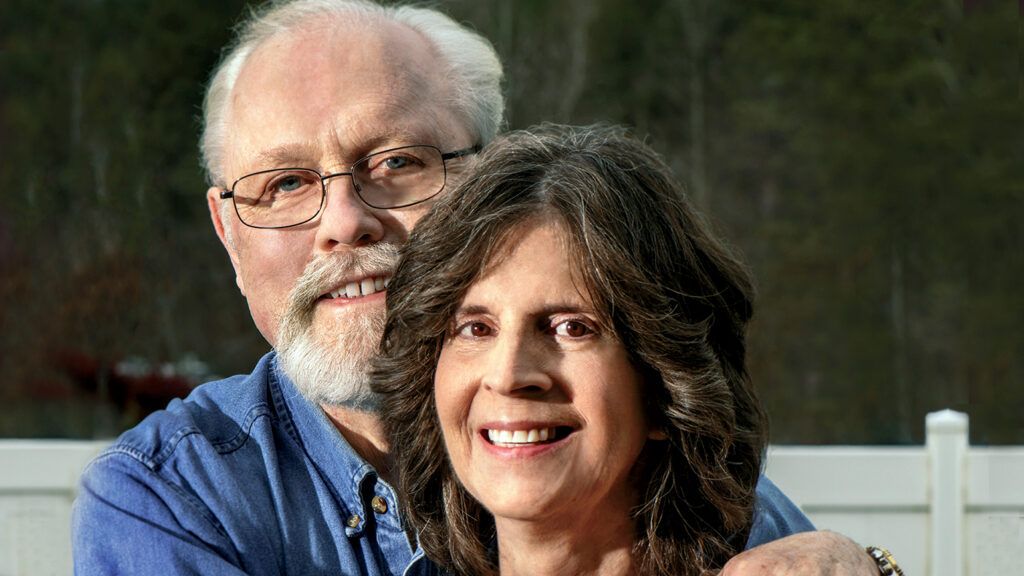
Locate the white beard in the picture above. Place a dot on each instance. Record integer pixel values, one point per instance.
(329, 362)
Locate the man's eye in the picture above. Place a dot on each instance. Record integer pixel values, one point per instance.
(289, 183)
(397, 162)
(573, 329)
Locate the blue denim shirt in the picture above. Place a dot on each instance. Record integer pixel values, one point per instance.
(245, 476)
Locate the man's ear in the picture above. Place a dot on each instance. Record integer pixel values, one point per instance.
(215, 203)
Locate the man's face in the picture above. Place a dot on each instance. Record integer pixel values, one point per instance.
(324, 98)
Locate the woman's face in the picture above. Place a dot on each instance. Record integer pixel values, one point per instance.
(540, 408)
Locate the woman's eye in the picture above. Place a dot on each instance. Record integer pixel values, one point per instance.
(475, 330)
(573, 329)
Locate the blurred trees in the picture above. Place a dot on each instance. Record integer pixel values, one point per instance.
(865, 156)
(105, 252)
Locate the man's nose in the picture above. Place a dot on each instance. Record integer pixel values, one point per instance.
(345, 220)
(518, 365)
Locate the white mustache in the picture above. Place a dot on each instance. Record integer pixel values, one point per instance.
(326, 272)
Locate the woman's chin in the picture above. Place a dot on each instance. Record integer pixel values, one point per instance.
(526, 501)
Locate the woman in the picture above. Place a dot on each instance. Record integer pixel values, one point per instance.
(563, 368)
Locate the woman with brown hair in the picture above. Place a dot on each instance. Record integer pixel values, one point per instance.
(563, 368)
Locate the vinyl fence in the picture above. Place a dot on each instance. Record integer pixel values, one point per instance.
(943, 509)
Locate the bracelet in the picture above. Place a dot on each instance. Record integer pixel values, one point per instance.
(886, 563)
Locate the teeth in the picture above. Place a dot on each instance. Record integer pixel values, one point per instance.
(364, 287)
(367, 286)
(520, 436)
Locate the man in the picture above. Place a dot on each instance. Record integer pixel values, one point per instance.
(328, 129)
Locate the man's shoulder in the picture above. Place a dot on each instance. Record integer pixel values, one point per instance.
(218, 415)
(775, 515)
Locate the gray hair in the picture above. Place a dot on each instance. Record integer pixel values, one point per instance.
(471, 65)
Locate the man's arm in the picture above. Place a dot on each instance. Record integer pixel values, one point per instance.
(128, 520)
(783, 542)
(820, 553)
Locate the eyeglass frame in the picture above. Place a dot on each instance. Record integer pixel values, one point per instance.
(445, 156)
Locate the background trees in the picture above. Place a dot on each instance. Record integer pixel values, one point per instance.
(865, 156)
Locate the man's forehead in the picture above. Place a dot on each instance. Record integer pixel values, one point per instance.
(337, 91)
(350, 147)
(375, 49)
(382, 66)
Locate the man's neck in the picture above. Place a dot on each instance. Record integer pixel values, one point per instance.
(365, 433)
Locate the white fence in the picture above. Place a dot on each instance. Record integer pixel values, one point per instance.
(944, 509)
(38, 479)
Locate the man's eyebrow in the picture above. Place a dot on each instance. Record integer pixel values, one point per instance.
(398, 136)
(285, 155)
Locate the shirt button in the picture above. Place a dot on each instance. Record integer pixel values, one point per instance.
(380, 505)
(353, 521)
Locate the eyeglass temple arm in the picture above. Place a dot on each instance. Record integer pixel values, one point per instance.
(225, 194)
(460, 153)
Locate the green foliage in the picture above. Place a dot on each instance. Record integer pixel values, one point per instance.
(111, 254)
(863, 155)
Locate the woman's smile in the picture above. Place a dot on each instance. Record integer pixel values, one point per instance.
(511, 438)
(524, 440)
(539, 404)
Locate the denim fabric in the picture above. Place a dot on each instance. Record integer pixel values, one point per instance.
(242, 477)
(247, 477)
(775, 516)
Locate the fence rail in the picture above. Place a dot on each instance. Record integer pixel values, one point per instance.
(944, 509)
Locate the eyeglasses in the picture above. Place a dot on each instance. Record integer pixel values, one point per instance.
(394, 178)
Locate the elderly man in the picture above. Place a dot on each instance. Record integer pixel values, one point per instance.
(329, 127)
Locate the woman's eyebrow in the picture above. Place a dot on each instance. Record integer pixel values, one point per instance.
(566, 308)
(471, 309)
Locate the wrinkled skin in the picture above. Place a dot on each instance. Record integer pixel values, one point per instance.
(821, 553)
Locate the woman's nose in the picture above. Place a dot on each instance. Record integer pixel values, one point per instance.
(517, 365)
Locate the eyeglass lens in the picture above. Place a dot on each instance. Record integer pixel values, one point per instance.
(389, 179)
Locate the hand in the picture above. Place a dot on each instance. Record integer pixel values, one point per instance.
(820, 553)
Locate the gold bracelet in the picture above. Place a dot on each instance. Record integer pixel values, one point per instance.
(883, 559)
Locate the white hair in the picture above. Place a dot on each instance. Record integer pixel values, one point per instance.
(472, 67)
(329, 361)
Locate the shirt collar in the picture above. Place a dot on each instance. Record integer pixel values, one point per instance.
(347, 473)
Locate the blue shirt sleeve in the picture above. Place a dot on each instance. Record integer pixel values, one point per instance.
(128, 520)
(775, 515)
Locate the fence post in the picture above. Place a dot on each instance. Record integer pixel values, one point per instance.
(947, 450)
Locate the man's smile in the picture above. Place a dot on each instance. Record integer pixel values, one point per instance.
(359, 288)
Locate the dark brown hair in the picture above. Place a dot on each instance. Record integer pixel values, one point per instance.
(674, 295)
